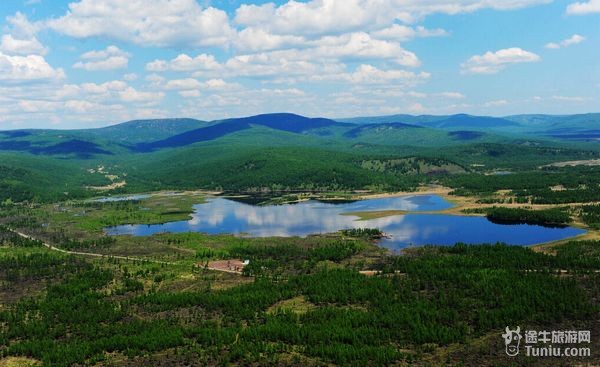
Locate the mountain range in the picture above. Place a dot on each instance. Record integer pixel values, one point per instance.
(280, 150)
(156, 134)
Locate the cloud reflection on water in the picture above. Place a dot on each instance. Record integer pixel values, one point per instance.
(219, 215)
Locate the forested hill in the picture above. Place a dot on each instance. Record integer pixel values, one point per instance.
(282, 151)
(281, 121)
(580, 127)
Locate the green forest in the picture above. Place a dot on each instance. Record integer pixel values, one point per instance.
(72, 295)
(432, 298)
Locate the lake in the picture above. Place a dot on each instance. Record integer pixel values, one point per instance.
(221, 215)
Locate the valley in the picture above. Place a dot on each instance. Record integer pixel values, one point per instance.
(284, 240)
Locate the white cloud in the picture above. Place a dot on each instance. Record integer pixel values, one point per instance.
(195, 93)
(582, 8)
(568, 98)
(130, 76)
(361, 46)
(315, 17)
(368, 74)
(27, 68)
(21, 27)
(111, 86)
(183, 84)
(404, 33)
(493, 62)
(220, 84)
(323, 56)
(104, 54)
(185, 62)
(132, 95)
(452, 95)
(496, 103)
(21, 39)
(111, 58)
(257, 39)
(192, 87)
(326, 17)
(111, 63)
(14, 46)
(573, 40)
(162, 23)
(71, 105)
(80, 106)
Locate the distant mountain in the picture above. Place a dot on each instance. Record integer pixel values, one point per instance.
(469, 121)
(379, 127)
(194, 136)
(284, 121)
(78, 148)
(15, 133)
(439, 122)
(587, 121)
(138, 131)
(290, 129)
(538, 124)
(277, 121)
(405, 119)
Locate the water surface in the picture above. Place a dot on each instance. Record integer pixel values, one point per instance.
(220, 215)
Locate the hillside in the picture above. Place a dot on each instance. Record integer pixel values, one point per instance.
(271, 150)
(143, 130)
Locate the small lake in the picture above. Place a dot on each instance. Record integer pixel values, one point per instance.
(220, 215)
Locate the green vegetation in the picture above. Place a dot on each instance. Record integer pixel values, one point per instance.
(370, 233)
(590, 214)
(548, 186)
(439, 296)
(299, 301)
(413, 165)
(276, 159)
(94, 215)
(553, 216)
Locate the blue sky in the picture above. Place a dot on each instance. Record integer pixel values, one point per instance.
(90, 63)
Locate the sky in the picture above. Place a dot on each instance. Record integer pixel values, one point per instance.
(92, 63)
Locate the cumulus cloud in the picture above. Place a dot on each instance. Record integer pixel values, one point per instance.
(131, 94)
(21, 39)
(573, 40)
(257, 39)
(493, 62)
(130, 76)
(369, 74)
(185, 62)
(315, 17)
(192, 88)
(324, 55)
(496, 103)
(361, 46)
(11, 45)
(29, 68)
(322, 17)
(162, 23)
(103, 88)
(352, 44)
(452, 95)
(583, 8)
(183, 84)
(404, 33)
(111, 58)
